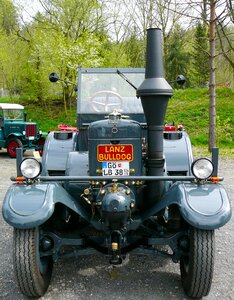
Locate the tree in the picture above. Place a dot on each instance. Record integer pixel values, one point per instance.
(129, 21)
(201, 55)
(60, 38)
(225, 49)
(177, 58)
(225, 41)
(203, 10)
(8, 17)
(10, 55)
(135, 49)
(212, 108)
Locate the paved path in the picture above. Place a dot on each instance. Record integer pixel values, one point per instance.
(142, 278)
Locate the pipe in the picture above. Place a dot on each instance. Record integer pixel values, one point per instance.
(155, 93)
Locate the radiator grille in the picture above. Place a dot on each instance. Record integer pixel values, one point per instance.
(31, 130)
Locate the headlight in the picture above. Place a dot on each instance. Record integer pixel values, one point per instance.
(202, 168)
(30, 168)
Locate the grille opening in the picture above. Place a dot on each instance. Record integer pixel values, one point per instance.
(63, 135)
(31, 130)
(56, 172)
(177, 173)
(172, 135)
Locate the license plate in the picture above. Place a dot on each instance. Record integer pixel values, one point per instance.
(114, 153)
(115, 168)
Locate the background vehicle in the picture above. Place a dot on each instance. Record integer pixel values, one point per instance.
(15, 132)
(120, 184)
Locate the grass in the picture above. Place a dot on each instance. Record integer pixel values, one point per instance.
(189, 107)
(50, 117)
(203, 152)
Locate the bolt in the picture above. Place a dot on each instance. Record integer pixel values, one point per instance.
(86, 192)
(128, 192)
(102, 192)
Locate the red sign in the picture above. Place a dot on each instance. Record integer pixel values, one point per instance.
(114, 153)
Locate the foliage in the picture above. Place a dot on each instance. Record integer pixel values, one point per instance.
(225, 59)
(188, 107)
(201, 55)
(135, 51)
(114, 54)
(176, 61)
(59, 39)
(90, 33)
(8, 17)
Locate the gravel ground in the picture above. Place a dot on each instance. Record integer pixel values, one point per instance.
(141, 278)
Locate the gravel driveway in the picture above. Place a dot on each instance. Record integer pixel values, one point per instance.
(141, 278)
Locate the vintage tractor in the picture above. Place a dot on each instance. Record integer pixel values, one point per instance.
(16, 132)
(121, 184)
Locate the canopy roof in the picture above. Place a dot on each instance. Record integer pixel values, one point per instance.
(11, 106)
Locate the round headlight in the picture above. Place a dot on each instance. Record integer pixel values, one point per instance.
(202, 168)
(30, 168)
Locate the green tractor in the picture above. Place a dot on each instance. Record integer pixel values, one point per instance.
(16, 132)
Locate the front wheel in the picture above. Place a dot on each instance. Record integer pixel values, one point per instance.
(32, 271)
(197, 264)
(12, 145)
(40, 145)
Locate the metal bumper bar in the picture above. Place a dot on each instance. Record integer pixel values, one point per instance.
(116, 178)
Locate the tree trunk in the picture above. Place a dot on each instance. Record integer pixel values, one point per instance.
(204, 12)
(39, 83)
(65, 98)
(212, 108)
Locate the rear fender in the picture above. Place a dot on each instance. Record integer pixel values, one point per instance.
(178, 153)
(57, 147)
(27, 206)
(204, 206)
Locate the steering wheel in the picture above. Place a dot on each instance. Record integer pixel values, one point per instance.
(106, 99)
(17, 116)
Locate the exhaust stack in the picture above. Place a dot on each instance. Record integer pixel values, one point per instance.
(155, 93)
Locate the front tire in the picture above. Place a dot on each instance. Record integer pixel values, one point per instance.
(12, 145)
(40, 145)
(197, 266)
(33, 273)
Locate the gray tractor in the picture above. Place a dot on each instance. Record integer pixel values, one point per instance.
(124, 183)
